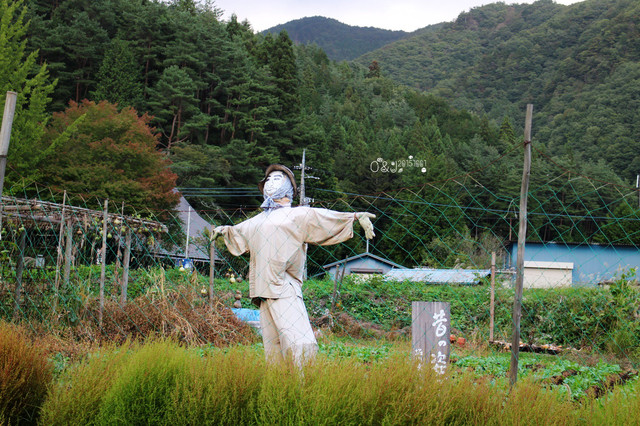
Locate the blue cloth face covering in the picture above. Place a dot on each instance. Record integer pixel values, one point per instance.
(285, 190)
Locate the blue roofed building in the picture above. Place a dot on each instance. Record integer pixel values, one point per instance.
(364, 263)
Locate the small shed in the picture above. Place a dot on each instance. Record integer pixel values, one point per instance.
(439, 276)
(547, 274)
(364, 263)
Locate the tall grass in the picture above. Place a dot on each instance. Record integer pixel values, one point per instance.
(77, 396)
(163, 383)
(221, 388)
(621, 407)
(25, 373)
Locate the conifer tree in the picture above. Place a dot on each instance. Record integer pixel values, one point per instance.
(506, 134)
(150, 31)
(278, 56)
(77, 46)
(19, 72)
(174, 104)
(119, 78)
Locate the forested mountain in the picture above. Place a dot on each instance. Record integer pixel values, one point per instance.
(579, 66)
(338, 40)
(108, 80)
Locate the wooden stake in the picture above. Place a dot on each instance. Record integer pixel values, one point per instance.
(493, 296)
(68, 245)
(116, 269)
(212, 266)
(522, 236)
(19, 270)
(337, 279)
(56, 285)
(103, 270)
(125, 268)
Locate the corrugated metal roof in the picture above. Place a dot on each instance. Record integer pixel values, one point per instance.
(439, 276)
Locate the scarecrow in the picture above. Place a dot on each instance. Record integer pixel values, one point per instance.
(276, 240)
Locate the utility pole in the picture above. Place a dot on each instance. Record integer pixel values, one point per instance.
(303, 198)
(638, 188)
(304, 201)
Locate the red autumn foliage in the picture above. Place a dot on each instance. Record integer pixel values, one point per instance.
(94, 150)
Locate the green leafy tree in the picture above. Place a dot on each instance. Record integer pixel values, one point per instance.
(202, 166)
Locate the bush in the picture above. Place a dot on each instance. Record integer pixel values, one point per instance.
(144, 384)
(163, 383)
(25, 374)
(159, 382)
(76, 396)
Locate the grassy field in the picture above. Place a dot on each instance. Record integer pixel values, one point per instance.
(192, 363)
(353, 382)
(165, 383)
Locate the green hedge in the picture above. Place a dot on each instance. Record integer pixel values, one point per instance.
(595, 317)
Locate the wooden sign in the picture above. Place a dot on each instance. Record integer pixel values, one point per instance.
(431, 326)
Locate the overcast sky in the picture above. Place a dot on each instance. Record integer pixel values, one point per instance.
(407, 15)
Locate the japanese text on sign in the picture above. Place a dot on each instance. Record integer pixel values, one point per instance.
(439, 360)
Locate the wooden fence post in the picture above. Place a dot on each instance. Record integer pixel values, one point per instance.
(337, 279)
(125, 268)
(212, 264)
(67, 254)
(103, 270)
(493, 296)
(522, 236)
(56, 285)
(430, 330)
(19, 270)
(5, 137)
(119, 253)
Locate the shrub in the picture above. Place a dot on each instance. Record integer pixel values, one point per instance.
(25, 374)
(76, 396)
(220, 388)
(159, 382)
(144, 384)
(164, 383)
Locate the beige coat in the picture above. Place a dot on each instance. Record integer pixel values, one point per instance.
(275, 241)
